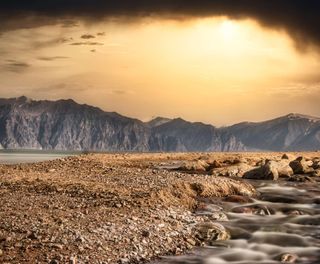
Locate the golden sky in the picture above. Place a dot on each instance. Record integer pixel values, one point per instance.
(215, 69)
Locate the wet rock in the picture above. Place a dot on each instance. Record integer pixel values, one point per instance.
(238, 233)
(289, 211)
(218, 216)
(301, 178)
(316, 173)
(256, 209)
(278, 198)
(287, 258)
(238, 199)
(301, 166)
(208, 232)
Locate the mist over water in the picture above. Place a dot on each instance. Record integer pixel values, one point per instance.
(281, 226)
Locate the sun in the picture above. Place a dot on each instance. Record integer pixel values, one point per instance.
(228, 29)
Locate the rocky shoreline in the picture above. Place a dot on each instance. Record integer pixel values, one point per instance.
(127, 208)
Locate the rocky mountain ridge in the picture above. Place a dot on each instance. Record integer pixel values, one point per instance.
(67, 125)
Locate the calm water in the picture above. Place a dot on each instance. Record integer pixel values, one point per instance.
(15, 157)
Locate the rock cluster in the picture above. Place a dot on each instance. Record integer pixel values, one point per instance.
(274, 167)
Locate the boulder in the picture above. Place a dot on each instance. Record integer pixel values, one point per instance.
(316, 164)
(208, 232)
(301, 166)
(284, 169)
(269, 171)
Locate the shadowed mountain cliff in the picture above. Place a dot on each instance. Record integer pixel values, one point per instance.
(67, 125)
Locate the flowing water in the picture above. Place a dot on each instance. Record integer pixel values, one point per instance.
(282, 225)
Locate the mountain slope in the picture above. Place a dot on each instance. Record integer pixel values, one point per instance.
(290, 132)
(66, 125)
(181, 135)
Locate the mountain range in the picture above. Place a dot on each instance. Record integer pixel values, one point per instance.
(67, 125)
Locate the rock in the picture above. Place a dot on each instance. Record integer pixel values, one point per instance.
(238, 199)
(254, 209)
(300, 166)
(32, 235)
(214, 164)
(284, 170)
(73, 260)
(191, 241)
(287, 258)
(218, 216)
(316, 164)
(194, 166)
(145, 233)
(232, 171)
(316, 173)
(238, 233)
(269, 171)
(209, 232)
(301, 178)
(285, 156)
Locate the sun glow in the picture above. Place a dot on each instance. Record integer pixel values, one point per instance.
(228, 29)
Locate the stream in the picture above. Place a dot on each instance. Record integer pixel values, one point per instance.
(280, 226)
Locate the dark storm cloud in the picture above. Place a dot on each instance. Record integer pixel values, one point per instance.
(300, 18)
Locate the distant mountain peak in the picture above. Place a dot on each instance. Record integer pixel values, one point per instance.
(158, 121)
(295, 116)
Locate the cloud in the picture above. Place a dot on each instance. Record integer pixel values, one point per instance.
(89, 43)
(87, 36)
(49, 42)
(299, 18)
(15, 66)
(52, 58)
(101, 34)
(60, 88)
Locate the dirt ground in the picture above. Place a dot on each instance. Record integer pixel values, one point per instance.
(108, 208)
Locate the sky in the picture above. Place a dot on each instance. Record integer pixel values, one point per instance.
(219, 62)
